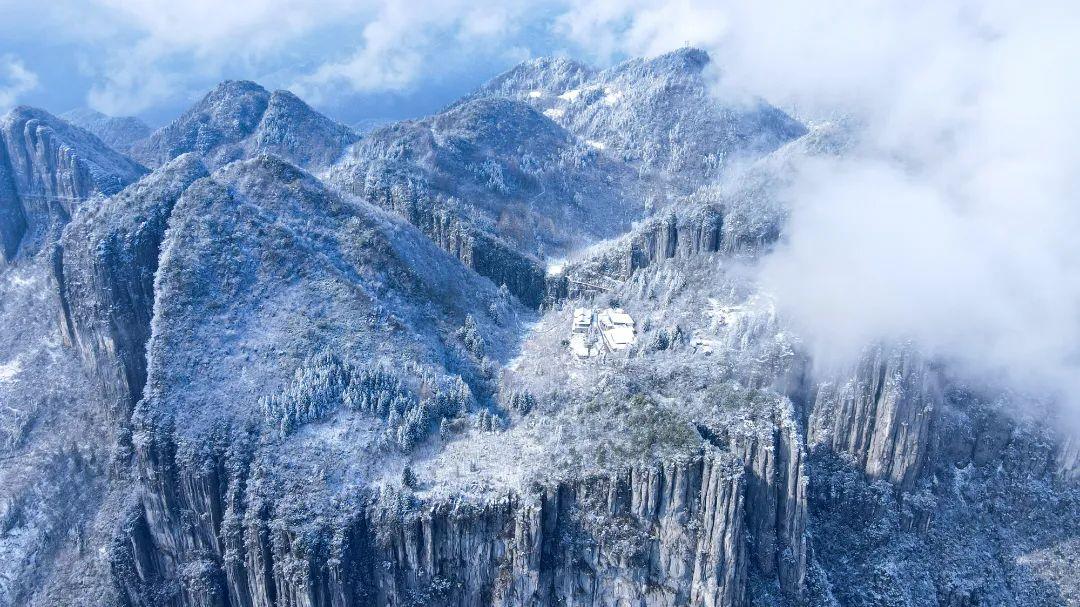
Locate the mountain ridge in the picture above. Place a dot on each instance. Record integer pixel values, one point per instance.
(291, 365)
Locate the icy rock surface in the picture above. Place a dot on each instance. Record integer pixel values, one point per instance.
(48, 168)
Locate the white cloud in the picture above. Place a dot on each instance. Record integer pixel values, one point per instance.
(404, 43)
(141, 53)
(15, 80)
(955, 221)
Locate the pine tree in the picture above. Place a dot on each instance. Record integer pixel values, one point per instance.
(408, 478)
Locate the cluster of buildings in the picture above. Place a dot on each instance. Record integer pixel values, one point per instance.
(593, 333)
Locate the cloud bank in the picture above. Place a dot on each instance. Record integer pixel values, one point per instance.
(954, 222)
(15, 80)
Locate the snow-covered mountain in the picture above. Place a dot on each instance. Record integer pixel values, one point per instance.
(119, 133)
(657, 113)
(293, 365)
(239, 119)
(496, 183)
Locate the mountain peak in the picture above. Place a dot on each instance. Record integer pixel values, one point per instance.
(22, 113)
(239, 118)
(118, 132)
(686, 58)
(237, 87)
(682, 62)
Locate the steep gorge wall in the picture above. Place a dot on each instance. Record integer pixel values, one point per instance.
(486, 254)
(685, 532)
(882, 415)
(655, 241)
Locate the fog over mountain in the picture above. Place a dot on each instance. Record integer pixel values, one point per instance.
(705, 304)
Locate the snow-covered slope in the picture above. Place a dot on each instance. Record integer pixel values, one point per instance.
(494, 174)
(119, 133)
(239, 119)
(657, 113)
(262, 262)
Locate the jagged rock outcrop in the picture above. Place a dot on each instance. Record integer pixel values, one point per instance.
(47, 168)
(665, 535)
(104, 269)
(239, 119)
(882, 415)
(119, 133)
(694, 232)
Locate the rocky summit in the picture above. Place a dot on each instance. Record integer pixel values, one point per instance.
(514, 353)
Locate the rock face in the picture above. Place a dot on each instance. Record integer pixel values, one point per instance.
(496, 183)
(882, 415)
(671, 535)
(119, 133)
(104, 267)
(240, 119)
(47, 168)
(683, 533)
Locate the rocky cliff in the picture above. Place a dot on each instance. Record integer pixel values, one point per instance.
(47, 168)
(104, 269)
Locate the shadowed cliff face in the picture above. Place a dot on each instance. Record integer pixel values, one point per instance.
(104, 267)
(497, 184)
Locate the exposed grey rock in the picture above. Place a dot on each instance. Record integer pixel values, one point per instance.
(47, 169)
(104, 267)
(882, 414)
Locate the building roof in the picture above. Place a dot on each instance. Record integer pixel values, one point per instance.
(618, 338)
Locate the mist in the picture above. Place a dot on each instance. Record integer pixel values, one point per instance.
(953, 222)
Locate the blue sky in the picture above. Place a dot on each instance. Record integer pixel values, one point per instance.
(353, 60)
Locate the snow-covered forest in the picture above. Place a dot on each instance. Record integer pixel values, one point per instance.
(256, 357)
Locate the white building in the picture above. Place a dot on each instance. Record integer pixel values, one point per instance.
(583, 340)
(616, 328)
(583, 320)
